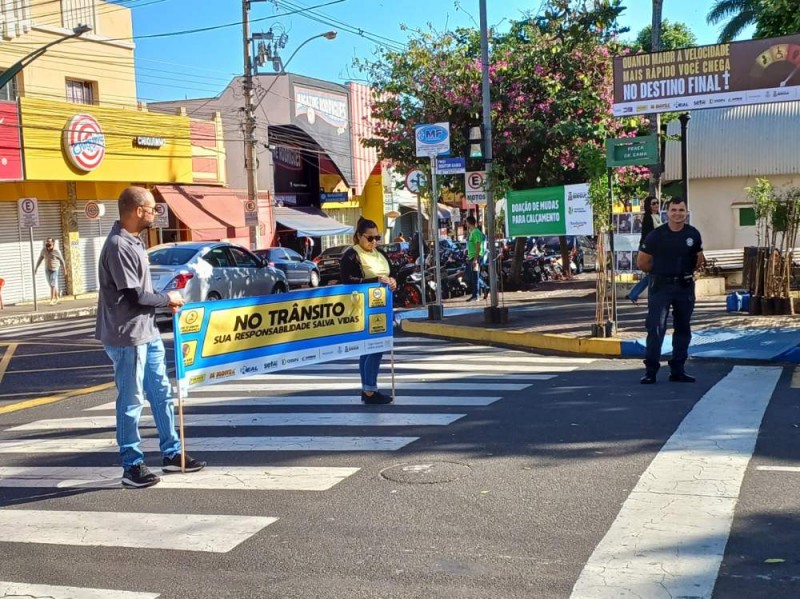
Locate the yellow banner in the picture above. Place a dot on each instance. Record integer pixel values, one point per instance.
(138, 146)
(251, 327)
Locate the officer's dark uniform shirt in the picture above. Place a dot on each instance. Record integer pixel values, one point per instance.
(674, 252)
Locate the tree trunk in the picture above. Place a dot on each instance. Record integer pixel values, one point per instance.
(655, 119)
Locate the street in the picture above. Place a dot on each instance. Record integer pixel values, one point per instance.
(496, 473)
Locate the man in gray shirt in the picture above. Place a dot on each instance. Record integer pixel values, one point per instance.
(126, 325)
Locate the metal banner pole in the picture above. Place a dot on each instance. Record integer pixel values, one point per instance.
(180, 373)
(392, 355)
(33, 271)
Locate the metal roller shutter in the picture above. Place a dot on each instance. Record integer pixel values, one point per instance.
(93, 235)
(11, 259)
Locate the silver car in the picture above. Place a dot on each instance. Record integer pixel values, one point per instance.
(212, 270)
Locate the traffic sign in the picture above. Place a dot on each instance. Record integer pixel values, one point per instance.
(28, 209)
(161, 221)
(451, 166)
(416, 180)
(432, 140)
(93, 210)
(250, 213)
(475, 183)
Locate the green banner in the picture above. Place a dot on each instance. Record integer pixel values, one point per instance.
(563, 210)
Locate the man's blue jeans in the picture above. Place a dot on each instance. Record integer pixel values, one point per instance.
(139, 370)
(368, 366)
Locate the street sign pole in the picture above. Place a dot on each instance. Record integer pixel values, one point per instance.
(435, 312)
(611, 247)
(33, 270)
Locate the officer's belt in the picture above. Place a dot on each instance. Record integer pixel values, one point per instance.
(673, 280)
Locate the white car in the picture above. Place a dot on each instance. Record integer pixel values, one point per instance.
(212, 270)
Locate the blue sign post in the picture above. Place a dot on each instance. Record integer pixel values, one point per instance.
(451, 166)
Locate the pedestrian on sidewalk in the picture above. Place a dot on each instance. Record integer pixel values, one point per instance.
(51, 257)
(670, 254)
(651, 221)
(365, 263)
(475, 241)
(126, 326)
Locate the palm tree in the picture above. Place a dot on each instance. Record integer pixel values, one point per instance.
(737, 15)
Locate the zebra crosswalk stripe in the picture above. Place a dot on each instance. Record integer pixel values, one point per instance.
(185, 532)
(229, 478)
(256, 419)
(479, 369)
(356, 385)
(22, 589)
(242, 401)
(279, 443)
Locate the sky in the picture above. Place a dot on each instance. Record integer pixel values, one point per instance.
(200, 65)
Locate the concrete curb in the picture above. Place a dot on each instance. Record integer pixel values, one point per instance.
(525, 339)
(31, 317)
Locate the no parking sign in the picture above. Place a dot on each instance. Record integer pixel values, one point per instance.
(28, 209)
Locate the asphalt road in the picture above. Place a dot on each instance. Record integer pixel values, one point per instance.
(497, 473)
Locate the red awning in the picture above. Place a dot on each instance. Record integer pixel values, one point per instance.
(211, 213)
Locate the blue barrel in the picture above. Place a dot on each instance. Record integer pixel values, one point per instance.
(745, 302)
(733, 303)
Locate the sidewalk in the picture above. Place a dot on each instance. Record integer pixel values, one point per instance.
(558, 317)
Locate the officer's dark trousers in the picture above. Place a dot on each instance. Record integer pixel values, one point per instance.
(660, 297)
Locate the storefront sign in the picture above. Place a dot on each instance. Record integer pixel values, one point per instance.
(93, 210)
(63, 146)
(632, 151)
(313, 103)
(549, 211)
(84, 142)
(735, 74)
(143, 141)
(333, 197)
(231, 339)
(10, 146)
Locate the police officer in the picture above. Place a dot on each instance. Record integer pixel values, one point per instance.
(670, 253)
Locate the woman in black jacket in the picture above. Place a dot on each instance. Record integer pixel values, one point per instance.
(364, 263)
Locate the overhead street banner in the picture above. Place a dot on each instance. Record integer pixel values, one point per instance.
(548, 211)
(231, 339)
(735, 74)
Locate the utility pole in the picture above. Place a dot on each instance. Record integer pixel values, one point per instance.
(492, 314)
(249, 121)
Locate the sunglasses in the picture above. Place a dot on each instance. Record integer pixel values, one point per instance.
(372, 238)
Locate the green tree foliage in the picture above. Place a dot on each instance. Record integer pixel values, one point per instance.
(777, 18)
(673, 36)
(737, 15)
(551, 91)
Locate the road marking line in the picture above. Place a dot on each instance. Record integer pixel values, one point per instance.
(183, 532)
(7, 355)
(61, 353)
(103, 366)
(287, 443)
(22, 589)
(267, 478)
(670, 535)
(320, 400)
(259, 419)
(356, 384)
(43, 401)
(448, 367)
(779, 468)
(795, 384)
(287, 377)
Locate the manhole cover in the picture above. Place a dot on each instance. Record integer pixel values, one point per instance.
(426, 473)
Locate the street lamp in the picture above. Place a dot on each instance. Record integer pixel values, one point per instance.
(12, 71)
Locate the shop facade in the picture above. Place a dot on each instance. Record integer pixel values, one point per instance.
(74, 160)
